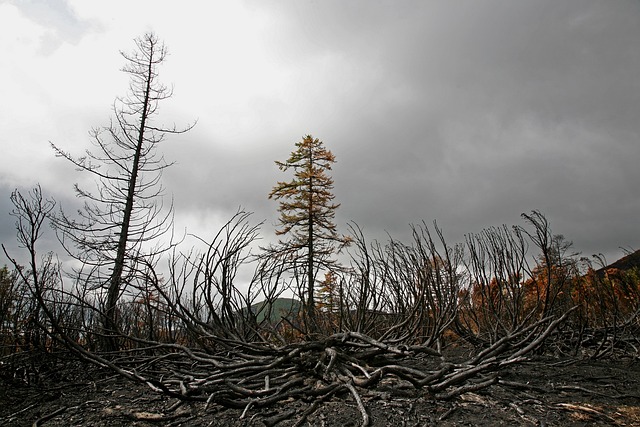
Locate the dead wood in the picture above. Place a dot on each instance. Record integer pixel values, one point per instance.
(251, 376)
(45, 418)
(585, 410)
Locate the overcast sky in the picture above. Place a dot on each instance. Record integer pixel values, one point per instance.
(464, 112)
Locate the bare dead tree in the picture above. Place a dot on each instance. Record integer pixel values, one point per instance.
(202, 291)
(51, 318)
(31, 213)
(493, 304)
(406, 293)
(122, 217)
(510, 291)
(607, 321)
(554, 268)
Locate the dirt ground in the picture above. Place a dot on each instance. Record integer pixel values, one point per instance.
(543, 391)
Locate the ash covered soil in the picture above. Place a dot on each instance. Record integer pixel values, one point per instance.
(543, 391)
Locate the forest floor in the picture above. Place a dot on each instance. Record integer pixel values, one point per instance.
(542, 391)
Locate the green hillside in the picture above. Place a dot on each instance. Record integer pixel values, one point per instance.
(280, 307)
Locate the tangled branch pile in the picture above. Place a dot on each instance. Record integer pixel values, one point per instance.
(252, 376)
(381, 323)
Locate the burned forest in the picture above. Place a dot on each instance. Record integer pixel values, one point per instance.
(310, 325)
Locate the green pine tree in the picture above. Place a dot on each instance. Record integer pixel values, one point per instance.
(307, 211)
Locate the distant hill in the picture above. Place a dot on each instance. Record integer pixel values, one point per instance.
(280, 307)
(623, 264)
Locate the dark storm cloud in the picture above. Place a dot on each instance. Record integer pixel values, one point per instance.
(473, 112)
(466, 112)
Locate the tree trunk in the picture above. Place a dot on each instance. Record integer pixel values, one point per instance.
(115, 282)
(311, 303)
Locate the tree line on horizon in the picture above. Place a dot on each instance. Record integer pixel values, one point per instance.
(506, 292)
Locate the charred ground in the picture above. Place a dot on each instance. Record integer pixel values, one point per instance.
(543, 391)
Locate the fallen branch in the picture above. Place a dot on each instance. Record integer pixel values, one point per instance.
(363, 410)
(584, 409)
(45, 418)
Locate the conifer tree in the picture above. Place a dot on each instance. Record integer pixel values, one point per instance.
(307, 211)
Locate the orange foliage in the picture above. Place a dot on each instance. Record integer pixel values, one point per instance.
(607, 295)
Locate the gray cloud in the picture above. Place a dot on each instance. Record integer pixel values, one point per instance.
(471, 113)
(468, 113)
(58, 18)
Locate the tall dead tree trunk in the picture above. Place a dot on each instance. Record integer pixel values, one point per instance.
(123, 214)
(115, 283)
